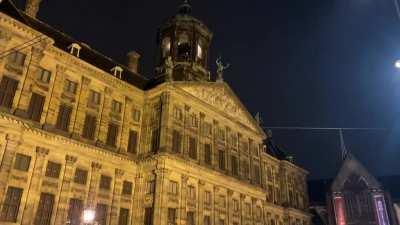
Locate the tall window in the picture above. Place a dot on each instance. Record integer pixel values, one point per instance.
(133, 141)
(257, 179)
(155, 139)
(166, 46)
(234, 164)
(101, 214)
(123, 216)
(105, 182)
(173, 188)
(8, 87)
(17, 58)
(148, 216)
(151, 186)
(207, 220)
(221, 159)
(221, 222)
(207, 198)
(136, 114)
(95, 97)
(222, 201)
(245, 169)
(70, 86)
(184, 49)
(9, 212)
(192, 192)
(53, 169)
(75, 211)
(89, 127)
(22, 162)
(43, 75)
(45, 209)
(176, 141)
(116, 106)
(192, 148)
(207, 154)
(235, 205)
(36, 107)
(190, 218)
(112, 134)
(64, 117)
(80, 176)
(171, 216)
(127, 188)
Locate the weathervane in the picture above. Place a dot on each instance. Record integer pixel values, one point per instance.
(221, 68)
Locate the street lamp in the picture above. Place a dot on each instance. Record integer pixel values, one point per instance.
(397, 64)
(88, 216)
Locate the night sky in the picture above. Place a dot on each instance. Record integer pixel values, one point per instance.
(325, 63)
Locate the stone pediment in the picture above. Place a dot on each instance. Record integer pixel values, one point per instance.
(221, 97)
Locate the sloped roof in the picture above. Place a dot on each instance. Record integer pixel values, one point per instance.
(62, 41)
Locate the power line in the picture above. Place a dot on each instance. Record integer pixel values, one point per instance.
(326, 128)
(27, 44)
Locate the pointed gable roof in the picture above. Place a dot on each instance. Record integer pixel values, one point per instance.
(351, 166)
(221, 96)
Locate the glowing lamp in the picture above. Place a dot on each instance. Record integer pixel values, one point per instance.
(88, 216)
(397, 64)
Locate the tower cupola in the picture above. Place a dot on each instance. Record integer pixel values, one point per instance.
(183, 47)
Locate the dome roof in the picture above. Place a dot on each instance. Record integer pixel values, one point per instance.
(184, 18)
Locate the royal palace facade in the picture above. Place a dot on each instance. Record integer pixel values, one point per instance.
(79, 130)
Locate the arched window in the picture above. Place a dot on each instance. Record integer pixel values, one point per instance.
(166, 46)
(184, 49)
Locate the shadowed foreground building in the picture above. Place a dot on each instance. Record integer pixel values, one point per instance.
(354, 197)
(79, 130)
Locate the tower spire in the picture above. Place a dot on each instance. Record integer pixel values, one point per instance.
(185, 8)
(345, 152)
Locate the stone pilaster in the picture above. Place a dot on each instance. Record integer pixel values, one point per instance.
(118, 181)
(11, 144)
(283, 182)
(215, 215)
(138, 199)
(62, 208)
(200, 202)
(78, 117)
(229, 207)
(105, 108)
(184, 187)
(164, 131)
(35, 184)
(94, 184)
(160, 197)
(241, 207)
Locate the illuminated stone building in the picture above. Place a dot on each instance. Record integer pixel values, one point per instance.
(79, 130)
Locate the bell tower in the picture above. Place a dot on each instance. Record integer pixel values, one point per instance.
(183, 48)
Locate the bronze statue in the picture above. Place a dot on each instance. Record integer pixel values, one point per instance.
(221, 68)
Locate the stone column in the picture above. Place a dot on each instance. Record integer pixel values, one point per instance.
(94, 185)
(284, 198)
(35, 184)
(182, 212)
(160, 197)
(11, 144)
(201, 137)
(138, 196)
(62, 208)
(118, 181)
(105, 108)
